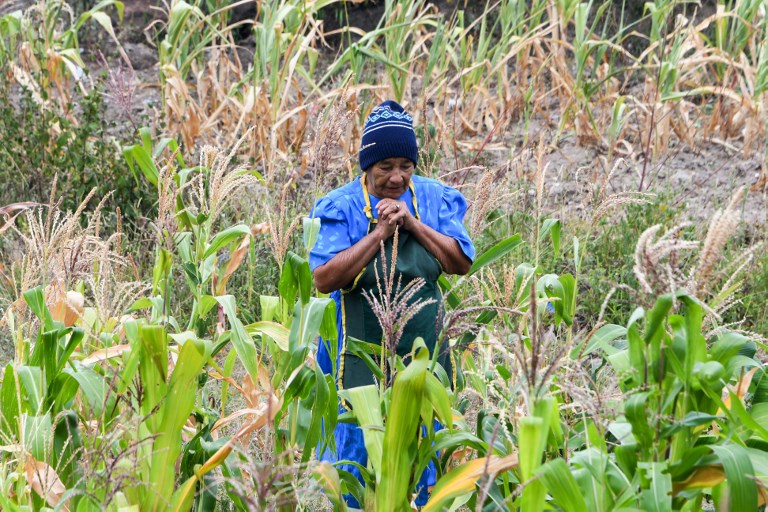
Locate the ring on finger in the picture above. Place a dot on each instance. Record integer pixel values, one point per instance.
(397, 206)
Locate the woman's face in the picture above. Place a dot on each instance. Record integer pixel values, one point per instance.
(390, 178)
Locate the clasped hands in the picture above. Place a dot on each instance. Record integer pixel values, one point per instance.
(391, 214)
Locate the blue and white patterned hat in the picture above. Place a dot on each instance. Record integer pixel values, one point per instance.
(388, 133)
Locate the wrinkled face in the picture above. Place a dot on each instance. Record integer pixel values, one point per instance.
(389, 178)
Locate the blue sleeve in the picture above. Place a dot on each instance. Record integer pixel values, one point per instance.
(333, 236)
(451, 218)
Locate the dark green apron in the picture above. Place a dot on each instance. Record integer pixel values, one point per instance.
(359, 320)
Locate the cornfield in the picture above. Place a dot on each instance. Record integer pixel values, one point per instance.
(159, 318)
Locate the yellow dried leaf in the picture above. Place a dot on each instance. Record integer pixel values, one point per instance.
(328, 478)
(462, 479)
(701, 478)
(234, 262)
(68, 308)
(741, 389)
(259, 229)
(45, 481)
(104, 354)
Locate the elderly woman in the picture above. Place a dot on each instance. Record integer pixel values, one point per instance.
(355, 220)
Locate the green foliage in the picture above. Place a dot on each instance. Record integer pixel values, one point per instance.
(80, 153)
(675, 425)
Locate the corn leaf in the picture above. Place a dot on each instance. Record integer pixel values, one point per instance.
(36, 301)
(10, 407)
(224, 238)
(175, 410)
(276, 332)
(401, 434)
(93, 386)
(153, 369)
(31, 379)
(462, 480)
(496, 252)
(658, 498)
(241, 340)
(439, 399)
(740, 478)
(533, 436)
(562, 486)
(366, 406)
(37, 434)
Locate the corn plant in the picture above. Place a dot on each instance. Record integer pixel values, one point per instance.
(398, 454)
(686, 430)
(43, 49)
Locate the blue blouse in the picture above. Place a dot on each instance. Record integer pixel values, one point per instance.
(343, 222)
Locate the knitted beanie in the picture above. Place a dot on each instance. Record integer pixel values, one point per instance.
(388, 133)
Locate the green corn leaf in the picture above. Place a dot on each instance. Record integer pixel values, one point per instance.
(153, 368)
(496, 252)
(36, 301)
(655, 325)
(276, 332)
(313, 315)
(636, 352)
(562, 486)
(322, 396)
(10, 405)
(64, 389)
(270, 307)
(94, 388)
(226, 237)
(551, 227)
(366, 352)
(241, 340)
(67, 445)
(745, 419)
(446, 287)
(601, 340)
(446, 441)
(366, 406)
(37, 435)
(401, 434)
(33, 382)
(131, 358)
(739, 473)
(658, 498)
(296, 279)
(311, 232)
(696, 345)
(635, 411)
(137, 156)
(44, 354)
(569, 297)
(75, 338)
(400, 437)
(441, 402)
(175, 410)
(207, 302)
(533, 436)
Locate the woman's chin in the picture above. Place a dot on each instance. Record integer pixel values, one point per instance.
(393, 193)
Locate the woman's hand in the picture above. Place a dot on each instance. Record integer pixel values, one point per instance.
(447, 250)
(394, 213)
